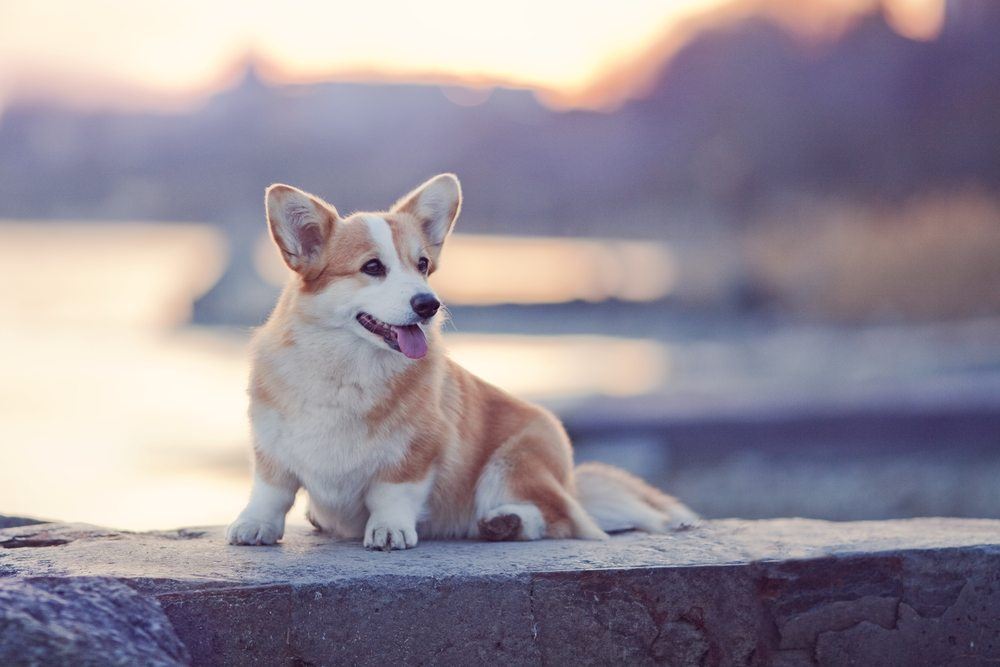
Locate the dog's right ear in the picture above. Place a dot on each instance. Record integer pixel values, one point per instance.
(300, 224)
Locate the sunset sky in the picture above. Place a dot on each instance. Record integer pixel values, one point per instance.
(148, 53)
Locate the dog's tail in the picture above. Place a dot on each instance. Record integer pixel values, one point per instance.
(619, 501)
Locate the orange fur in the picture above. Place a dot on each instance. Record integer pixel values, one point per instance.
(266, 388)
(408, 207)
(406, 232)
(493, 423)
(405, 405)
(349, 247)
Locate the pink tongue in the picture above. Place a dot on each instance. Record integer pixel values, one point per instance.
(411, 341)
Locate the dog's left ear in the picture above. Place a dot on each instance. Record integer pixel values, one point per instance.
(435, 204)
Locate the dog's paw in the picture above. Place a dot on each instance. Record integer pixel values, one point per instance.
(385, 537)
(254, 532)
(500, 527)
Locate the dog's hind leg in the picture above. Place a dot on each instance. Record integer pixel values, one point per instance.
(520, 497)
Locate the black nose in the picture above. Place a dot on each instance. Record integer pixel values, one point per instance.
(425, 305)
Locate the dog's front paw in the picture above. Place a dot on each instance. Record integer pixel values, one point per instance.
(384, 536)
(254, 532)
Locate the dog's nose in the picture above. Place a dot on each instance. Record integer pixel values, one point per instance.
(425, 305)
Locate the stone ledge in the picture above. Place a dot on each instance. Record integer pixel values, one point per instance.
(789, 591)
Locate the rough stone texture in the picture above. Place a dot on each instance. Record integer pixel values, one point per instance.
(83, 621)
(781, 592)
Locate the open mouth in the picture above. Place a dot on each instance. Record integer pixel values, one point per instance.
(406, 338)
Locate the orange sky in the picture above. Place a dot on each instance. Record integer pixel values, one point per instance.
(579, 52)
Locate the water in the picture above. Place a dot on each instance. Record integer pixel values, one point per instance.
(115, 411)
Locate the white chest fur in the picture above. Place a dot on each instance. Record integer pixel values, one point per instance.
(316, 427)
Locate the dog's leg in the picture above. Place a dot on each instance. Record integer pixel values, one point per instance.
(263, 520)
(394, 509)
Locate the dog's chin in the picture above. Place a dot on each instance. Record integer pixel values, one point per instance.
(407, 339)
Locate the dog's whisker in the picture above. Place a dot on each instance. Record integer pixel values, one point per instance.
(447, 319)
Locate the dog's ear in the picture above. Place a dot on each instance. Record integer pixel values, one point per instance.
(300, 224)
(435, 204)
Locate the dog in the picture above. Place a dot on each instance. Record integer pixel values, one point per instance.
(353, 399)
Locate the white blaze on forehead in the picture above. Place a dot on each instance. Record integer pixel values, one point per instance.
(381, 234)
(389, 299)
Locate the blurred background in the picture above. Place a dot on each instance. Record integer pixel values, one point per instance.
(749, 249)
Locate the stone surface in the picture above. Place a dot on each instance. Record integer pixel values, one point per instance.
(83, 621)
(785, 592)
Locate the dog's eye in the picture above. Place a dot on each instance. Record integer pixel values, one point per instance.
(373, 267)
(423, 264)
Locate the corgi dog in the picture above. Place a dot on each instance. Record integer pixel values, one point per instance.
(353, 399)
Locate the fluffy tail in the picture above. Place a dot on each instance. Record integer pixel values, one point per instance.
(619, 501)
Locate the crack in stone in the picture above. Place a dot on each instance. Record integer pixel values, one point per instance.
(893, 627)
(533, 630)
(29, 541)
(49, 535)
(179, 534)
(531, 610)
